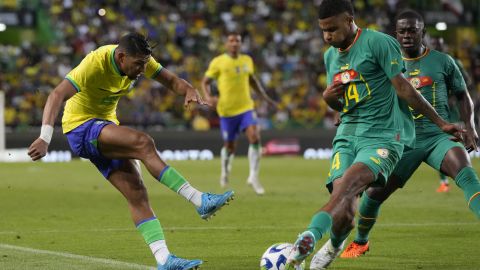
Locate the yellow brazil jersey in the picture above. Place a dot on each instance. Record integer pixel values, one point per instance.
(99, 86)
(232, 75)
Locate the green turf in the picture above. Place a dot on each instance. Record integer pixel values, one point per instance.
(68, 208)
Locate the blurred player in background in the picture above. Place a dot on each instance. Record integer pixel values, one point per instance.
(234, 73)
(92, 91)
(438, 43)
(365, 83)
(433, 74)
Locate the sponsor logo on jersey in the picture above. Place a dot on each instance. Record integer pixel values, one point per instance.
(345, 67)
(415, 72)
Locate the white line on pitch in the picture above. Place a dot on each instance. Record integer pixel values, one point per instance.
(232, 228)
(76, 257)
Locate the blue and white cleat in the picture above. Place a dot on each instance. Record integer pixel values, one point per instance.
(175, 263)
(211, 203)
(303, 247)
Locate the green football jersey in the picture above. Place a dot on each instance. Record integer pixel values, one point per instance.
(434, 74)
(371, 107)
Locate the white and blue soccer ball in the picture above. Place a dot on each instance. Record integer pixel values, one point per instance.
(276, 256)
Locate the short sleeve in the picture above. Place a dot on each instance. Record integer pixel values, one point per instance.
(455, 81)
(81, 74)
(213, 69)
(153, 68)
(386, 51)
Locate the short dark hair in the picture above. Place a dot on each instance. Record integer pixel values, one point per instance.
(409, 14)
(329, 8)
(135, 44)
(233, 33)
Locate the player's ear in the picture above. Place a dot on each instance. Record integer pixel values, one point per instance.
(121, 56)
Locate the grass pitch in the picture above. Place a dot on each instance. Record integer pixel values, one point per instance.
(66, 216)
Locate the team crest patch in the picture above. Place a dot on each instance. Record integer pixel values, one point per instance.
(415, 82)
(383, 153)
(419, 82)
(346, 76)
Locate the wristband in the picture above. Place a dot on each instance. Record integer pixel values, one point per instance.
(46, 133)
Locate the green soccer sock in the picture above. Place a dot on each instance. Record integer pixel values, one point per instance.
(151, 230)
(367, 216)
(171, 178)
(467, 180)
(320, 224)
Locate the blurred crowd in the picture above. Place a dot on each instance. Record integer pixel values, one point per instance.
(282, 37)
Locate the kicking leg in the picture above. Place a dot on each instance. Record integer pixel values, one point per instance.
(339, 212)
(127, 179)
(116, 142)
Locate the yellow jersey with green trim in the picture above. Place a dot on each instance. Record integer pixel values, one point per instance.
(232, 76)
(99, 84)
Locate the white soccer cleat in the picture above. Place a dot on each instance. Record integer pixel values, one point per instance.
(325, 256)
(255, 184)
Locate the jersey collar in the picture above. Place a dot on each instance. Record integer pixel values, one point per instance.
(425, 53)
(357, 35)
(114, 65)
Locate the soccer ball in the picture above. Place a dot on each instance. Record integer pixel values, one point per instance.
(276, 256)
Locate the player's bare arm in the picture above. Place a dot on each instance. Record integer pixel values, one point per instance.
(470, 138)
(332, 95)
(180, 86)
(207, 91)
(62, 92)
(257, 87)
(408, 93)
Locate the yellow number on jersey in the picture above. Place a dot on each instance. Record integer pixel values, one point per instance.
(351, 93)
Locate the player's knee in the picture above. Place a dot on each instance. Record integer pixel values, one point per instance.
(230, 147)
(144, 143)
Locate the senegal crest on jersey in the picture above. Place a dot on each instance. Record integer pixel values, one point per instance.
(346, 76)
(383, 153)
(419, 82)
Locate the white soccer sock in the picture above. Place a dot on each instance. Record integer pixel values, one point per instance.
(226, 159)
(254, 161)
(191, 194)
(160, 251)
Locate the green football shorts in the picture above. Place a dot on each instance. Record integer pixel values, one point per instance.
(430, 149)
(380, 155)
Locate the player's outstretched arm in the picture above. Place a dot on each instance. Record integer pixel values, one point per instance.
(332, 95)
(408, 93)
(466, 115)
(180, 86)
(62, 92)
(255, 84)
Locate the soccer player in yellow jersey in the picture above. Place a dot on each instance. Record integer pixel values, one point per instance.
(234, 73)
(92, 91)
